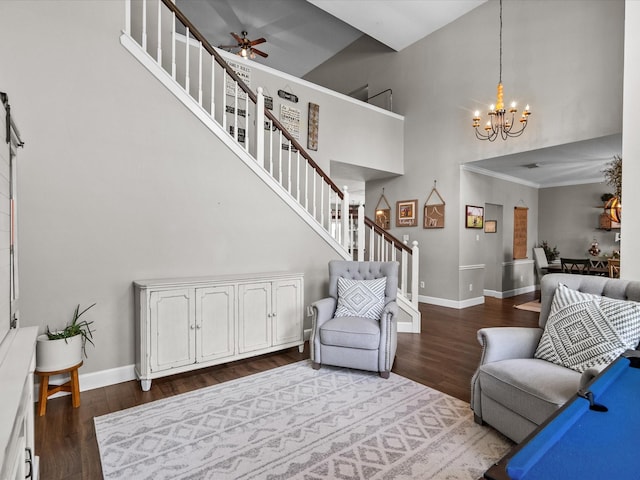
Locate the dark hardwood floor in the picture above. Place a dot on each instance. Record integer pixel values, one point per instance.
(444, 356)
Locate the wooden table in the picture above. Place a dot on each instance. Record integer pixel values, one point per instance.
(595, 269)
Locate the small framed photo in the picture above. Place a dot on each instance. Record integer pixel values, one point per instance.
(490, 226)
(474, 217)
(406, 213)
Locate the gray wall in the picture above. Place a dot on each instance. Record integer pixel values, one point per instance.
(480, 190)
(118, 181)
(564, 58)
(569, 219)
(630, 258)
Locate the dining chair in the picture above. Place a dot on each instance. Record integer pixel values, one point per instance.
(540, 260)
(614, 267)
(580, 266)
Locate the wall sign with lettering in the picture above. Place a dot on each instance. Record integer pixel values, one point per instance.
(244, 73)
(520, 232)
(290, 120)
(288, 96)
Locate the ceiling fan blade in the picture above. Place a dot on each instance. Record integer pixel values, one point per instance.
(237, 37)
(257, 42)
(258, 52)
(227, 46)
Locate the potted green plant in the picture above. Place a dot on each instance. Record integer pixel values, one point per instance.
(61, 349)
(550, 253)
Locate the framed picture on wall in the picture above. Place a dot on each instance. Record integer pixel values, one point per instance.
(474, 216)
(406, 213)
(490, 226)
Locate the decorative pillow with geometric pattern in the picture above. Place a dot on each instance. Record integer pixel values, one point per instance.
(361, 298)
(585, 330)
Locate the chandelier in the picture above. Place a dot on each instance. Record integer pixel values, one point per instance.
(501, 123)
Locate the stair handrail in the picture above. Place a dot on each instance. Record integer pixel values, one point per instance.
(397, 243)
(254, 98)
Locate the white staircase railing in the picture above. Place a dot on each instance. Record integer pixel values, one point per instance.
(376, 245)
(172, 43)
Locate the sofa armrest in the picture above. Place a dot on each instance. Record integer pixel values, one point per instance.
(323, 310)
(502, 343)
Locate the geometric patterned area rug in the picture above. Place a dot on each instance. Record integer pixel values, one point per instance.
(294, 422)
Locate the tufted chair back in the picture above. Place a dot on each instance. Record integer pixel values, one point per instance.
(608, 287)
(364, 271)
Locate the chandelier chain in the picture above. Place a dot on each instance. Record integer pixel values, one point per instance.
(500, 42)
(502, 121)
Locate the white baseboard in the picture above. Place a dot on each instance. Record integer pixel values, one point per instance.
(104, 378)
(445, 302)
(89, 381)
(405, 327)
(511, 293)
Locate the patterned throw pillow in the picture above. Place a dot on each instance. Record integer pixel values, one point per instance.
(361, 298)
(585, 330)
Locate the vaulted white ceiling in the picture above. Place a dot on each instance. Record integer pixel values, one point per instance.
(303, 34)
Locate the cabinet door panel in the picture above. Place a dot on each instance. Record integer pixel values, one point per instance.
(172, 327)
(287, 318)
(215, 315)
(254, 316)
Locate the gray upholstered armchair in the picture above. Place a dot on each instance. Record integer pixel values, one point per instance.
(356, 326)
(514, 392)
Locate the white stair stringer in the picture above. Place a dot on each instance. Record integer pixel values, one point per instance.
(409, 321)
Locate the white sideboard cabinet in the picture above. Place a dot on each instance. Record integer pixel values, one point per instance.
(188, 323)
(17, 364)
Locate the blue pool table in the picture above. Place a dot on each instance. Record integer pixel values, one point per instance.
(579, 442)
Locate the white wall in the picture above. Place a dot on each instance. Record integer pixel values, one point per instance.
(630, 254)
(118, 181)
(350, 131)
(564, 58)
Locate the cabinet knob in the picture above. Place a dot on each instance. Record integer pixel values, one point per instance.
(198, 327)
(193, 327)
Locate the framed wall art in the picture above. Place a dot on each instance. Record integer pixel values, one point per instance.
(490, 226)
(383, 212)
(312, 133)
(434, 212)
(474, 216)
(406, 213)
(520, 232)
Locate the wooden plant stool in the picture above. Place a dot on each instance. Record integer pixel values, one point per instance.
(46, 390)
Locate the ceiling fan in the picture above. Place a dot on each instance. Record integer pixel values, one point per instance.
(245, 46)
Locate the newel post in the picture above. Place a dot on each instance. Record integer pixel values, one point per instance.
(361, 232)
(344, 215)
(260, 127)
(415, 272)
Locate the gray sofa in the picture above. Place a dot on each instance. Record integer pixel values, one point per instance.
(514, 392)
(354, 341)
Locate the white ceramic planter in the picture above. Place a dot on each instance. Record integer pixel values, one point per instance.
(54, 355)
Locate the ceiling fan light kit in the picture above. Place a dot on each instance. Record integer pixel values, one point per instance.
(501, 122)
(245, 46)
